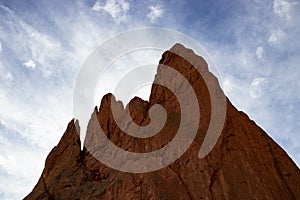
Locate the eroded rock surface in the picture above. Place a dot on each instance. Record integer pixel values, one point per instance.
(244, 164)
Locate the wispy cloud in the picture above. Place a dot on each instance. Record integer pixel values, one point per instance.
(276, 37)
(263, 63)
(25, 102)
(257, 58)
(257, 87)
(283, 8)
(156, 11)
(117, 9)
(259, 52)
(30, 64)
(26, 41)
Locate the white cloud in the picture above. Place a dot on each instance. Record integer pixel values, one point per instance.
(30, 64)
(9, 76)
(28, 131)
(276, 37)
(17, 163)
(236, 90)
(155, 12)
(259, 52)
(116, 8)
(121, 67)
(27, 41)
(228, 85)
(4, 74)
(84, 42)
(257, 87)
(37, 49)
(44, 49)
(283, 8)
(83, 30)
(0, 47)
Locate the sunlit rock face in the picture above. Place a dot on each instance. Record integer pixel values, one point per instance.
(245, 163)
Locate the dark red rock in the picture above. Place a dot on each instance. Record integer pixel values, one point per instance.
(244, 164)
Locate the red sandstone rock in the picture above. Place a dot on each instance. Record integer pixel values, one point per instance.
(244, 164)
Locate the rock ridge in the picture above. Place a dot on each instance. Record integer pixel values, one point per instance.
(245, 163)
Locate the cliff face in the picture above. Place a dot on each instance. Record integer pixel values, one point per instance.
(245, 163)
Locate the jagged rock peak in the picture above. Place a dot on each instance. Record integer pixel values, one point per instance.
(245, 163)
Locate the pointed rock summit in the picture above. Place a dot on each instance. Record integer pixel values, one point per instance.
(245, 163)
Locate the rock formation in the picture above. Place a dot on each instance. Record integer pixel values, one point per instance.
(245, 163)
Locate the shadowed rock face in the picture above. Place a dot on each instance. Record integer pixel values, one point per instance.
(245, 163)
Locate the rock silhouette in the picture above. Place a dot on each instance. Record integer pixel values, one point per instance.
(245, 163)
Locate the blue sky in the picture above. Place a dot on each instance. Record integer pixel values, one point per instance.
(43, 44)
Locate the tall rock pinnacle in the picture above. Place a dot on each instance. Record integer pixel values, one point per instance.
(245, 163)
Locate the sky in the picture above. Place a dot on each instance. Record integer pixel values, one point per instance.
(43, 44)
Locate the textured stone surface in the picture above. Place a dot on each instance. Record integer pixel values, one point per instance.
(244, 164)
